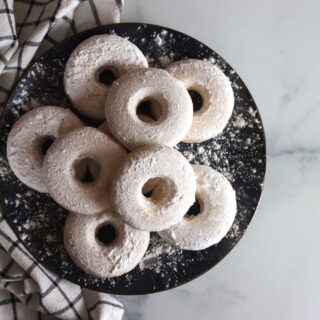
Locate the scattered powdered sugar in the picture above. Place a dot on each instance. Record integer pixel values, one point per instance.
(252, 112)
(239, 122)
(31, 225)
(164, 32)
(4, 168)
(153, 258)
(201, 149)
(211, 59)
(159, 38)
(235, 232)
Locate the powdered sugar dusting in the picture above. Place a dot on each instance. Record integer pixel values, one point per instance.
(239, 122)
(153, 258)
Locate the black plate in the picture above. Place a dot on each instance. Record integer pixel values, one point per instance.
(239, 153)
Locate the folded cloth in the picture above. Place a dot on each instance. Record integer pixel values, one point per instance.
(27, 289)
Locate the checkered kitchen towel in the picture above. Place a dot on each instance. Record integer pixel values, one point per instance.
(27, 290)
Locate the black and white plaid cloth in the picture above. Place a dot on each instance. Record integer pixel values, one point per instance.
(28, 290)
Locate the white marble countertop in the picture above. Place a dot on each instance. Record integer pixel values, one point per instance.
(273, 273)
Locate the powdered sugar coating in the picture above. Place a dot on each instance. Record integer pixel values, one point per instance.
(168, 95)
(216, 92)
(169, 207)
(105, 129)
(218, 210)
(27, 136)
(97, 258)
(60, 174)
(81, 76)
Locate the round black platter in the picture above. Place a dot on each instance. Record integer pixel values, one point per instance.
(239, 153)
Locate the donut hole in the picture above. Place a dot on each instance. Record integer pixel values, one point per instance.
(149, 110)
(194, 210)
(86, 170)
(45, 144)
(197, 100)
(107, 76)
(158, 190)
(106, 234)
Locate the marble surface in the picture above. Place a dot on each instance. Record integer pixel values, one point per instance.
(273, 273)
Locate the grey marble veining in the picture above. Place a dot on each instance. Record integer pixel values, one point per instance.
(273, 273)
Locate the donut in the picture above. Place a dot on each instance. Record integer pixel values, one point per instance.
(169, 173)
(105, 129)
(218, 208)
(216, 92)
(29, 138)
(97, 57)
(63, 169)
(103, 245)
(161, 91)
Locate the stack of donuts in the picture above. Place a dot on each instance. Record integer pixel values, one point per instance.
(124, 179)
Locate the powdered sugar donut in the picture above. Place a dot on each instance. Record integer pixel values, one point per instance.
(29, 138)
(63, 169)
(97, 57)
(216, 93)
(164, 93)
(218, 208)
(104, 125)
(103, 245)
(105, 129)
(169, 174)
